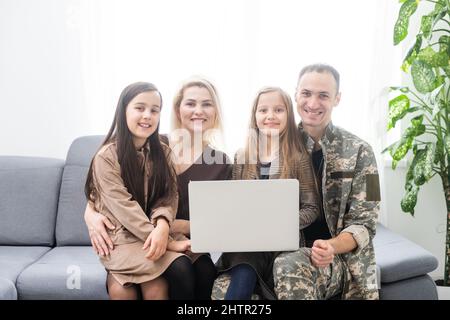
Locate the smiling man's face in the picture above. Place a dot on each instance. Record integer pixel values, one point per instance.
(316, 97)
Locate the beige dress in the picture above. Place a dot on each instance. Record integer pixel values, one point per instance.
(127, 262)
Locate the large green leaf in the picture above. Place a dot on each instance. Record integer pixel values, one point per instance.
(417, 124)
(398, 108)
(399, 149)
(426, 25)
(401, 26)
(433, 58)
(440, 8)
(412, 53)
(423, 76)
(444, 44)
(409, 201)
(423, 168)
(410, 198)
(429, 21)
(409, 183)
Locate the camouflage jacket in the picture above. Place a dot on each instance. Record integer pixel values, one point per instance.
(351, 200)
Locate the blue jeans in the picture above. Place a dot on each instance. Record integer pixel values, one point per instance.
(242, 284)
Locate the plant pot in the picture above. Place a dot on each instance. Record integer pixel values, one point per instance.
(443, 291)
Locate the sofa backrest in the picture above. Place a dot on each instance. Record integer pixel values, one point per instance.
(29, 190)
(70, 226)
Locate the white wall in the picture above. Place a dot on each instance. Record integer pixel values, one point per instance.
(427, 226)
(63, 63)
(42, 101)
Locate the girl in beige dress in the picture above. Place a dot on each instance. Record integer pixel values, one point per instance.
(132, 182)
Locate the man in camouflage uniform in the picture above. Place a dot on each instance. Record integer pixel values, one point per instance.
(339, 257)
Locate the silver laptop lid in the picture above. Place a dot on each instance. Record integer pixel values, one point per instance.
(244, 215)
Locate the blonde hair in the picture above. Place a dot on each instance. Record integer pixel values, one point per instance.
(212, 137)
(291, 148)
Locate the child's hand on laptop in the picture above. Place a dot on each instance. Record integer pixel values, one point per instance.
(179, 246)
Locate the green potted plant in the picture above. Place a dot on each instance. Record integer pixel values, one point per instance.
(427, 104)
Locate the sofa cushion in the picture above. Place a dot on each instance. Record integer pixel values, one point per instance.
(15, 259)
(7, 290)
(64, 273)
(29, 190)
(70, 226)
(400, 258)
(417, 288)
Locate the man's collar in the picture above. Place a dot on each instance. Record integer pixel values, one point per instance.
(327, 138)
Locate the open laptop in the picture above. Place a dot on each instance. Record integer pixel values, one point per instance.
(244, 215)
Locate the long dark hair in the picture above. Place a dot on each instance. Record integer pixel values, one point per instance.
(162, 174)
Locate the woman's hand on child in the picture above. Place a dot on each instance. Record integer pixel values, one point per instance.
(97, 223)
(156, 242)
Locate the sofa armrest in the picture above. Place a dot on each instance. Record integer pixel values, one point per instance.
(399, 258)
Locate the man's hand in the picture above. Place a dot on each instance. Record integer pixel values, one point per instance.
(97, 223)
(322, 253)
(157, 240)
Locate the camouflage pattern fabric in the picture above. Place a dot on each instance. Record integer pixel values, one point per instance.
(350, 205)
(297, 279)
(220, 288)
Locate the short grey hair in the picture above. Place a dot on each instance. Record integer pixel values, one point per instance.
(320, 68)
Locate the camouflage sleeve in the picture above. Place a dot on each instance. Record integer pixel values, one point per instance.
(364, 199)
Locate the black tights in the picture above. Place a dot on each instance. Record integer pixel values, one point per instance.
(205, 274)
(180, 276)
(189, 281)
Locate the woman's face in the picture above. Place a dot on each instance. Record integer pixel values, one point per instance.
(197, 112)
(143, 113)
(271, 113)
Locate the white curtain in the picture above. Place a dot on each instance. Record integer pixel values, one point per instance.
(241, 46)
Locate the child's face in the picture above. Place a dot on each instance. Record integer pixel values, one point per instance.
(143, 113)
(197, 111)
(271, 113)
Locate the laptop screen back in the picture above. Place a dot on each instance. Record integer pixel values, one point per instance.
(244, 215)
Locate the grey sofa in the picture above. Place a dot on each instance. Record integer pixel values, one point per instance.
(45, 250)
